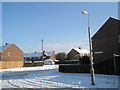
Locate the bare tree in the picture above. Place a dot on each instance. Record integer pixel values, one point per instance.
(61, 56)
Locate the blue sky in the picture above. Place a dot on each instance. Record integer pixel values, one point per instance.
(61, 25)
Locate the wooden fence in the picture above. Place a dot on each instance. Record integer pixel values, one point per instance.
(109, 66)
(11, 64)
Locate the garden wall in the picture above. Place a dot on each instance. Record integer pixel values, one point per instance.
(74, 68)
(109, 67)
(11, 64)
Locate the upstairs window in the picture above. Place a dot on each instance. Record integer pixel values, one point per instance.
(8, 53)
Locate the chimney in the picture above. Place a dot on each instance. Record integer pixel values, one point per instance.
(6, 43)
(79, 47)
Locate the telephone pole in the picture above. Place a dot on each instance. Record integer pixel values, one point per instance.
(42, 49)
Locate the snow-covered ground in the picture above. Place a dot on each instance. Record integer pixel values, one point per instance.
(47, 76)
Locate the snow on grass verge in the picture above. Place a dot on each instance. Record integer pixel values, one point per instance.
(47, 76)
(44, 67)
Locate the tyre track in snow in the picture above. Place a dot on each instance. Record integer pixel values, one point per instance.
(9, 84)
(37, 84)
(51, 78)
(5, 84)
(31, 83)
(11, 80)
(43, 82)
(40, 84)
(21, 81)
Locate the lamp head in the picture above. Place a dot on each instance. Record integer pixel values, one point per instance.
(84, 12)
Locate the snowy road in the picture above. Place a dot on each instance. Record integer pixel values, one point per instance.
(49, 77)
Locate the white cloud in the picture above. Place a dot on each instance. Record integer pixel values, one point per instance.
(65, 47)
(60, 47)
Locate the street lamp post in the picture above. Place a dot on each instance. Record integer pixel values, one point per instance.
(90, 47)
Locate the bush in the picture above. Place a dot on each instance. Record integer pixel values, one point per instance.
(85, 60)
(61, 56)
(33, 64)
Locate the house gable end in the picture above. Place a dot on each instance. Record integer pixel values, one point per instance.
(17, 47)
(12, 50)
(108, 22)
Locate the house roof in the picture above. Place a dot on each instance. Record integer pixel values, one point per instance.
(37, 54)
(81, 50)
(4, 47)
(48, 53)
(111, 18)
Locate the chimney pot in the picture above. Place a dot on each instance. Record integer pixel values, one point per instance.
(6, 43)
(79, 47)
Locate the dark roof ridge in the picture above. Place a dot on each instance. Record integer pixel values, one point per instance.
(114, 18)
(104, 24)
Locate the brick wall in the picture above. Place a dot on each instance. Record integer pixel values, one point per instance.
(53, 56)
(11, 64)
(12, 57)
(105, 41)
(15, 54)
(73, 55)
(108, 66)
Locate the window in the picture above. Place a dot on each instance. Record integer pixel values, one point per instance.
(99, 52)
(8, 53)
(119, 39)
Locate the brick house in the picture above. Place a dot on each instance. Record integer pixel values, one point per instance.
(53, 56)
(75, 53)
(106, 41)
(11, 56)
(37, 56)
